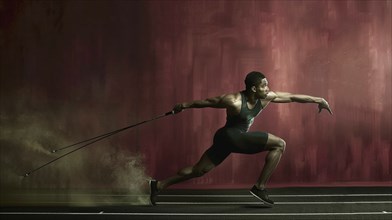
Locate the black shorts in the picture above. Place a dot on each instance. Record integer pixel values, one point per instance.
(233, 140)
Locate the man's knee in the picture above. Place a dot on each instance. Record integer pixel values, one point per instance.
(198, 172)
(275, 143)
(193, 171)
(278, 144)
(281, 145)
(185, 171)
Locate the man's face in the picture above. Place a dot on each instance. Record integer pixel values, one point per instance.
(262, 89)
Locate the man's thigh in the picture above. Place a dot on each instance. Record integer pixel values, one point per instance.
(251, 142)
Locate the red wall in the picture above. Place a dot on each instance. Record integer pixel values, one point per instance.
(73, 69)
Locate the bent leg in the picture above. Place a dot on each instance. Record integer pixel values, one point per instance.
(276, 147)
(199, 169)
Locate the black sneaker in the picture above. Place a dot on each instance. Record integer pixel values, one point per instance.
(262, 195)
(153, 191)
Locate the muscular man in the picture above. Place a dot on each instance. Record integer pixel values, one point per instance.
(241, 109)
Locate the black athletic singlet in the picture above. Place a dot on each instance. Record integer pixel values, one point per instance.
(234, 136)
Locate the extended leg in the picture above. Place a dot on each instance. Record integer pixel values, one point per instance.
(199, 169)
(202, 167)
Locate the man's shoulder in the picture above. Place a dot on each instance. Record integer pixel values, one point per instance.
(232, 96)
(232, 99)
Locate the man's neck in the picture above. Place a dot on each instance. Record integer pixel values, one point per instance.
(250, 97)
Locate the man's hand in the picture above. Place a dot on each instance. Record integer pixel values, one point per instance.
(178, 108)
(324, 105)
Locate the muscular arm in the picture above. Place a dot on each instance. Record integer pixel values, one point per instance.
(215, 102)
(223, 101)
(284, 97)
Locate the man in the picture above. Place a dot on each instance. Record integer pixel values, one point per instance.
(241, 108)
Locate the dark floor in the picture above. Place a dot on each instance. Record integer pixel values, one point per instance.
(290, 203)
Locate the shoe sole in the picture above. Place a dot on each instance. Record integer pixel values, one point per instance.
(270, 205)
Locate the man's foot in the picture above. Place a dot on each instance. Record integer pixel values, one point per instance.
(262, 195)
(153, 191)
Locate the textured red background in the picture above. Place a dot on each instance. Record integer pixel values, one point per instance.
(85, 67)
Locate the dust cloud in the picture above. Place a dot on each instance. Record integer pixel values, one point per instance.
(104, 175)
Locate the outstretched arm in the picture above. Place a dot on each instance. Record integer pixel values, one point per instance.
(223, 101)
(284, 97)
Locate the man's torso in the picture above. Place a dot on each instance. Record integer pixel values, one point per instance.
(235, 103)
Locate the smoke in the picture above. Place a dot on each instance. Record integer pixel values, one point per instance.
(129, 175)
(108, 175)
(23, 140)
(124, 174)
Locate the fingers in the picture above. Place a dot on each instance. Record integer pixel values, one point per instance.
(330, 111)
(324, 104)
(326, 107)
